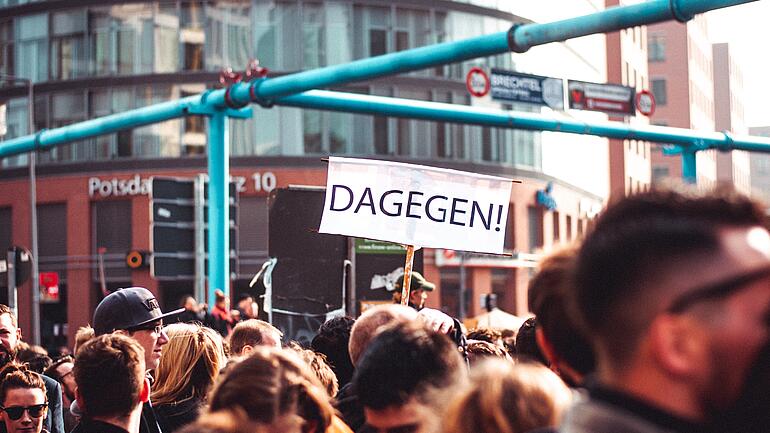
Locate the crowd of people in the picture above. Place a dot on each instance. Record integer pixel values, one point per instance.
(657, 322)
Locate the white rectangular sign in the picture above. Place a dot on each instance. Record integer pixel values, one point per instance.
(416, 205)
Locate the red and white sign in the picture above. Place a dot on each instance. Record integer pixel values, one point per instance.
(645, 102)
(477, 82)
(49, 286)
(613, 99)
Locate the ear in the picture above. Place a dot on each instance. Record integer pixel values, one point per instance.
(120, 332)
(144, 396)
(18, 334)
(677, 345)
(79, 399)
(546, 347)
(246, 350)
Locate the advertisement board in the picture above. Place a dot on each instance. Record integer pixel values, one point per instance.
(607, 98)
(509, 86)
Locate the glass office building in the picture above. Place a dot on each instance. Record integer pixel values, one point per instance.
(92, 58)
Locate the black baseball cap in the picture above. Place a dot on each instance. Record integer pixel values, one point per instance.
(127, 308)
(418, 283)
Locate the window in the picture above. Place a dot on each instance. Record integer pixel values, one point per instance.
(556, 227)
(112, 230)
(535, 216)
(32, 47)
(510, 229)
(656, 48)
(660, 172)
(68, 45)
(659, 90)
(568, 223)
(6, 48)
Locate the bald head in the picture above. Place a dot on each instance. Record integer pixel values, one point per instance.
(371, 322)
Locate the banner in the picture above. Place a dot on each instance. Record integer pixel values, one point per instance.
(416, 205)
(607, 98)
(532, 89)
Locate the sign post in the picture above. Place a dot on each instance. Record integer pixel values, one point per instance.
(407, 275)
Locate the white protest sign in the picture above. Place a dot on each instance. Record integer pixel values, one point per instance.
(416, 205)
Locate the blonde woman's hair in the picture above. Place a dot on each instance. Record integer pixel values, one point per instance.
(190, 363)
(508, 398)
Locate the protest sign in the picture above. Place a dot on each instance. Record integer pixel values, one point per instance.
(416, 205)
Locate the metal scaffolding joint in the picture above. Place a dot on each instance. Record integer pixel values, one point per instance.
(254, 94)
(512, 44)
(677, 13)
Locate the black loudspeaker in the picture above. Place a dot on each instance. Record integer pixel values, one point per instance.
(307, 280)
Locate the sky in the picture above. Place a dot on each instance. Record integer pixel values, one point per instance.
(747, 29)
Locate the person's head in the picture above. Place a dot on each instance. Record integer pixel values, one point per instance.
(508, 398)
(319, 367)
(23, 399)
(371, 322)
(526, 343)
(135, 312)
(675, 288)
(558, 336)
(489, 335)
(247, 306)
(61, 371)
(478, 351)
(83, 334)
(273, 385)
(252, 333)
(403, 373)
(189, 303)
(227, 421)
(332, 340)
(220, 300)
(33, 356)
(10, 335)
(418, 290)
(190, 363)
(110, 376)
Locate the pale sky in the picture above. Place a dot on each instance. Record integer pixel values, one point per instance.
(747, 29)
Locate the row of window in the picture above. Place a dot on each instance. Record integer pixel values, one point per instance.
(276, 131)
(165, 37)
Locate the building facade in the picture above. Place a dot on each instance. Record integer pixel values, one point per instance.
(90, 59)
(733, 168)
(760, 168)
(630, 164)
(681, 53)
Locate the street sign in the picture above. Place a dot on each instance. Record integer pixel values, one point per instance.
(512, 86)
(173, 208)
(645, 102)
(607, 98)
(477, 82)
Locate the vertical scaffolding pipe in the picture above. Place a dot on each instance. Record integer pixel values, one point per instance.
(200, 238)
(219, 209)
(689, 168)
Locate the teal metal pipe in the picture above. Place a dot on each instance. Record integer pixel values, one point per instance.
(519, 38)
(689, 168)
(437, 111)
(219, 209)
(612, 19)
(49, 138)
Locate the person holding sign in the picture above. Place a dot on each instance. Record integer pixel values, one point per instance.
(418, 289)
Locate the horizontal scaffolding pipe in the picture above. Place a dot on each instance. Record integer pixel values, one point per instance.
(437, 111)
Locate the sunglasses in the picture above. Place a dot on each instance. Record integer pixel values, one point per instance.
(153, 327)
(16, 412)
(716, 290)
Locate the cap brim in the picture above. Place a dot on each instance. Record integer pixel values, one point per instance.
(428, 287)
(162, 316)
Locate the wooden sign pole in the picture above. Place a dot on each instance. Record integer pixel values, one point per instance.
(407, 275)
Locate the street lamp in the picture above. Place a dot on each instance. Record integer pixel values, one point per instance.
(33, 207)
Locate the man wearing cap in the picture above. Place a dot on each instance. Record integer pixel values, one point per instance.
(417, 290)
(135, 312)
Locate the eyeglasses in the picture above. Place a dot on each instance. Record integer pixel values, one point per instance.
(716, 290)
(16, 412)
(152, 326)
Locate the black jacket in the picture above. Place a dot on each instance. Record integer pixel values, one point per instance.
(172, 417)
